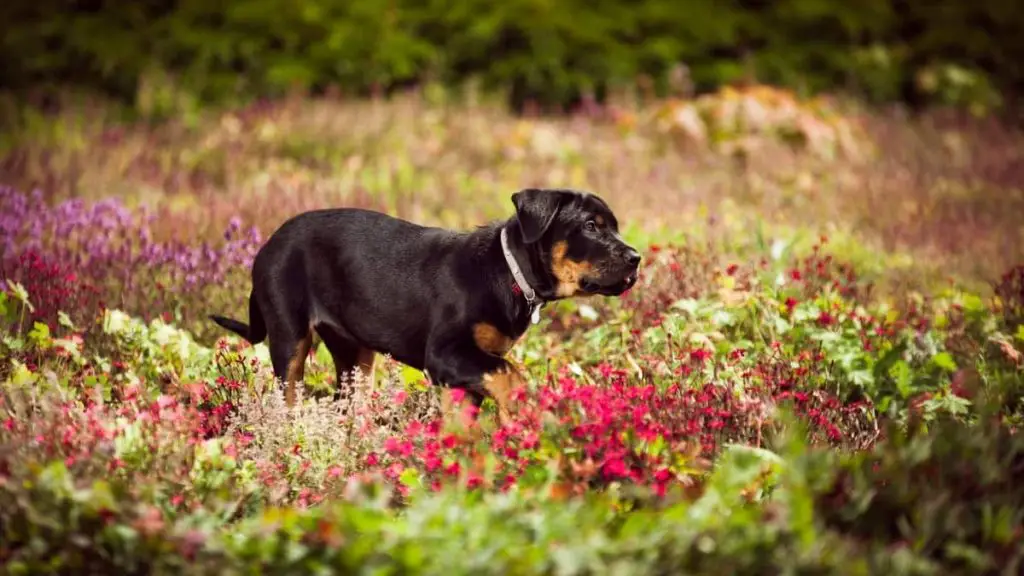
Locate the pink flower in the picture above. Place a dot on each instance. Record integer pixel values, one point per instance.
(414, 429)
(394, 470)
(372, 459)
(531, 440)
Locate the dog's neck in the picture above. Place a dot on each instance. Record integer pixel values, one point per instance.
(530, 263)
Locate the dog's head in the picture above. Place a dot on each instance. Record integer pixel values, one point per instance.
(578, 238)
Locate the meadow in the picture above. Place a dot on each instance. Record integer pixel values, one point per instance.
(820, 370)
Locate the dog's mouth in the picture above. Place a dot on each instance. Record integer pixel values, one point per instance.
(604, 287)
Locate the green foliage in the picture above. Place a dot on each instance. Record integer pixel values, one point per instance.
(137, 481)
(166, 57)
(823, 514)
(969, 518)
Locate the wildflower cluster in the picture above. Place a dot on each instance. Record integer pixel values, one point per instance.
(82, 258)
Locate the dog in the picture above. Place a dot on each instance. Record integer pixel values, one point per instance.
(448, 303)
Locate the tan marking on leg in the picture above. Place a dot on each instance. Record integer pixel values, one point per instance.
(297, 368)
(569, 272)
(490, 339)
(451, 412)
(366, 359)
(500, 386)
(447, 403)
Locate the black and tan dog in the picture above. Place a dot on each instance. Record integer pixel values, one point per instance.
(445, 302)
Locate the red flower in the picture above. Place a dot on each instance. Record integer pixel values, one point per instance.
(432, 462)
(700, 355)
(614, 468)
(453, 469)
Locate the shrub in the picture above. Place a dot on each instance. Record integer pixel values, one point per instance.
(166, 57)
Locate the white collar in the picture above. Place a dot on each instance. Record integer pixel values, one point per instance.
(517, 274)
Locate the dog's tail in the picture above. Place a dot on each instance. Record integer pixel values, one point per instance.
(254, 332)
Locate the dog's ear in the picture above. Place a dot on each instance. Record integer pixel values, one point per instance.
(536, 210)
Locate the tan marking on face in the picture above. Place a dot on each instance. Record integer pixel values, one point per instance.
(297, 368)
(569, 272)
(489, 339)
(599, 220)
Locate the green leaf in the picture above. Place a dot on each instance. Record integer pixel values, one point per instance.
(21, 295)
(22, 376)
(40, 335)
(115, 322)
(101, 497)
(973, 303)
(64, 320)
(944, 360)
(862, 378)
(902, 375)
(323, 355)
(55, 478)
(412, 377)
(688, 305)
(14, 343)
(410, 477)
(889, 359)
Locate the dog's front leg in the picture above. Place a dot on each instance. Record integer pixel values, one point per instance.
(460, 364)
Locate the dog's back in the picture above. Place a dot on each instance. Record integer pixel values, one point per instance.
(370, 277)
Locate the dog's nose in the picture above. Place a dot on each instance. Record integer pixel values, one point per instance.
(633, 257)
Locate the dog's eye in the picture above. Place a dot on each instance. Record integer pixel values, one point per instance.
(590, 226)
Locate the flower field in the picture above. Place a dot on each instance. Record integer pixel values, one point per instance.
(820, 370)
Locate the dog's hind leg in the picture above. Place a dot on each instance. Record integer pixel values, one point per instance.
(347, 355)
(288, 352)
(366, 359)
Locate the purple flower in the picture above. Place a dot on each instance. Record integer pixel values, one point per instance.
(111, 248)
